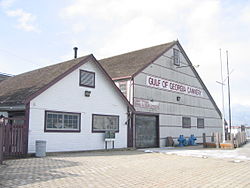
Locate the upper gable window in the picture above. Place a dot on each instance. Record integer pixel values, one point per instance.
(123, 88)
(176, 57)
(87, 78)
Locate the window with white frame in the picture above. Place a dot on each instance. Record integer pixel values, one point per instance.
(123, 88)
(200, 123)
(102, 123)
(87, 78)
(186, 122)
(176, 57)
(62, 121)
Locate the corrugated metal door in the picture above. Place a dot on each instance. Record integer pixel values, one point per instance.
(146, 131)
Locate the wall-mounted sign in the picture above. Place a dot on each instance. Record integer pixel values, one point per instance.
(172, 86)
(143, 103)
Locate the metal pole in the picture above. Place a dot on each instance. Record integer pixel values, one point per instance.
(222, 93)
(229, 99)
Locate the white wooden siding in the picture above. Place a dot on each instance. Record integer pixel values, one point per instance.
(170, 110)
(68, 96)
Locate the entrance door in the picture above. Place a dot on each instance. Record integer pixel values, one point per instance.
(146, 131)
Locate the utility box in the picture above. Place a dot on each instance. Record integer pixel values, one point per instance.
(40, 148)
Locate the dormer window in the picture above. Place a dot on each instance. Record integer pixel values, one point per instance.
(176, 57)
(87, 78)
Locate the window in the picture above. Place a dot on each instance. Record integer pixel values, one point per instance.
(200, 123)
(186, 122)
(62, 121)
(102, 123)
(87, 78)
(123, 88)
(176, 57)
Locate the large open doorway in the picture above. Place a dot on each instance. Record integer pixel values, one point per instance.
(146, 131)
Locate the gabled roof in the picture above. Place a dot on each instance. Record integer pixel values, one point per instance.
(15, 90)
(128, 64)
(20, 89)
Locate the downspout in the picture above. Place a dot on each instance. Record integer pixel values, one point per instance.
(26, 128)
(133, 114)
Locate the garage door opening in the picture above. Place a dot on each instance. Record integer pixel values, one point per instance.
(147, 131)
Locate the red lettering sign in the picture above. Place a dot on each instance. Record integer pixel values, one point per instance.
(172, 86)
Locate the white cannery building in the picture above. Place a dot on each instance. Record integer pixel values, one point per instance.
(167, 93)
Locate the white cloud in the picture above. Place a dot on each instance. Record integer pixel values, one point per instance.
(6, 3)
(122, 38)
(78, 27)
(245, 15)
(128, 24)
(123, 9)
(25, 20)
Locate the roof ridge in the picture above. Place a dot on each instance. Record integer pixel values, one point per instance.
(174, 41)
(42, 68)
(130, 63)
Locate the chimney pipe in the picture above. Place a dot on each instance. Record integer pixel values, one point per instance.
(75, 49)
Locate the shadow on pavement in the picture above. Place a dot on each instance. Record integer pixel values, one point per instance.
(96, 153)
(31, 170)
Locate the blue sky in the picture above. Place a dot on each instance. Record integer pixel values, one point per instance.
(34, 34)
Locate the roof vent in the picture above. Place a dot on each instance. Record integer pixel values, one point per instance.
(75, 49)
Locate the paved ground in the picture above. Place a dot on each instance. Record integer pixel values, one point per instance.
(124, 169)
(242, 153)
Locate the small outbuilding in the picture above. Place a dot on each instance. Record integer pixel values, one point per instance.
(69, 105)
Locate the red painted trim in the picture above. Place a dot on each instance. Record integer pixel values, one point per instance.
(57, 79)
(169, 47)
(80, 78)
(64, 131)
(93, 131)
